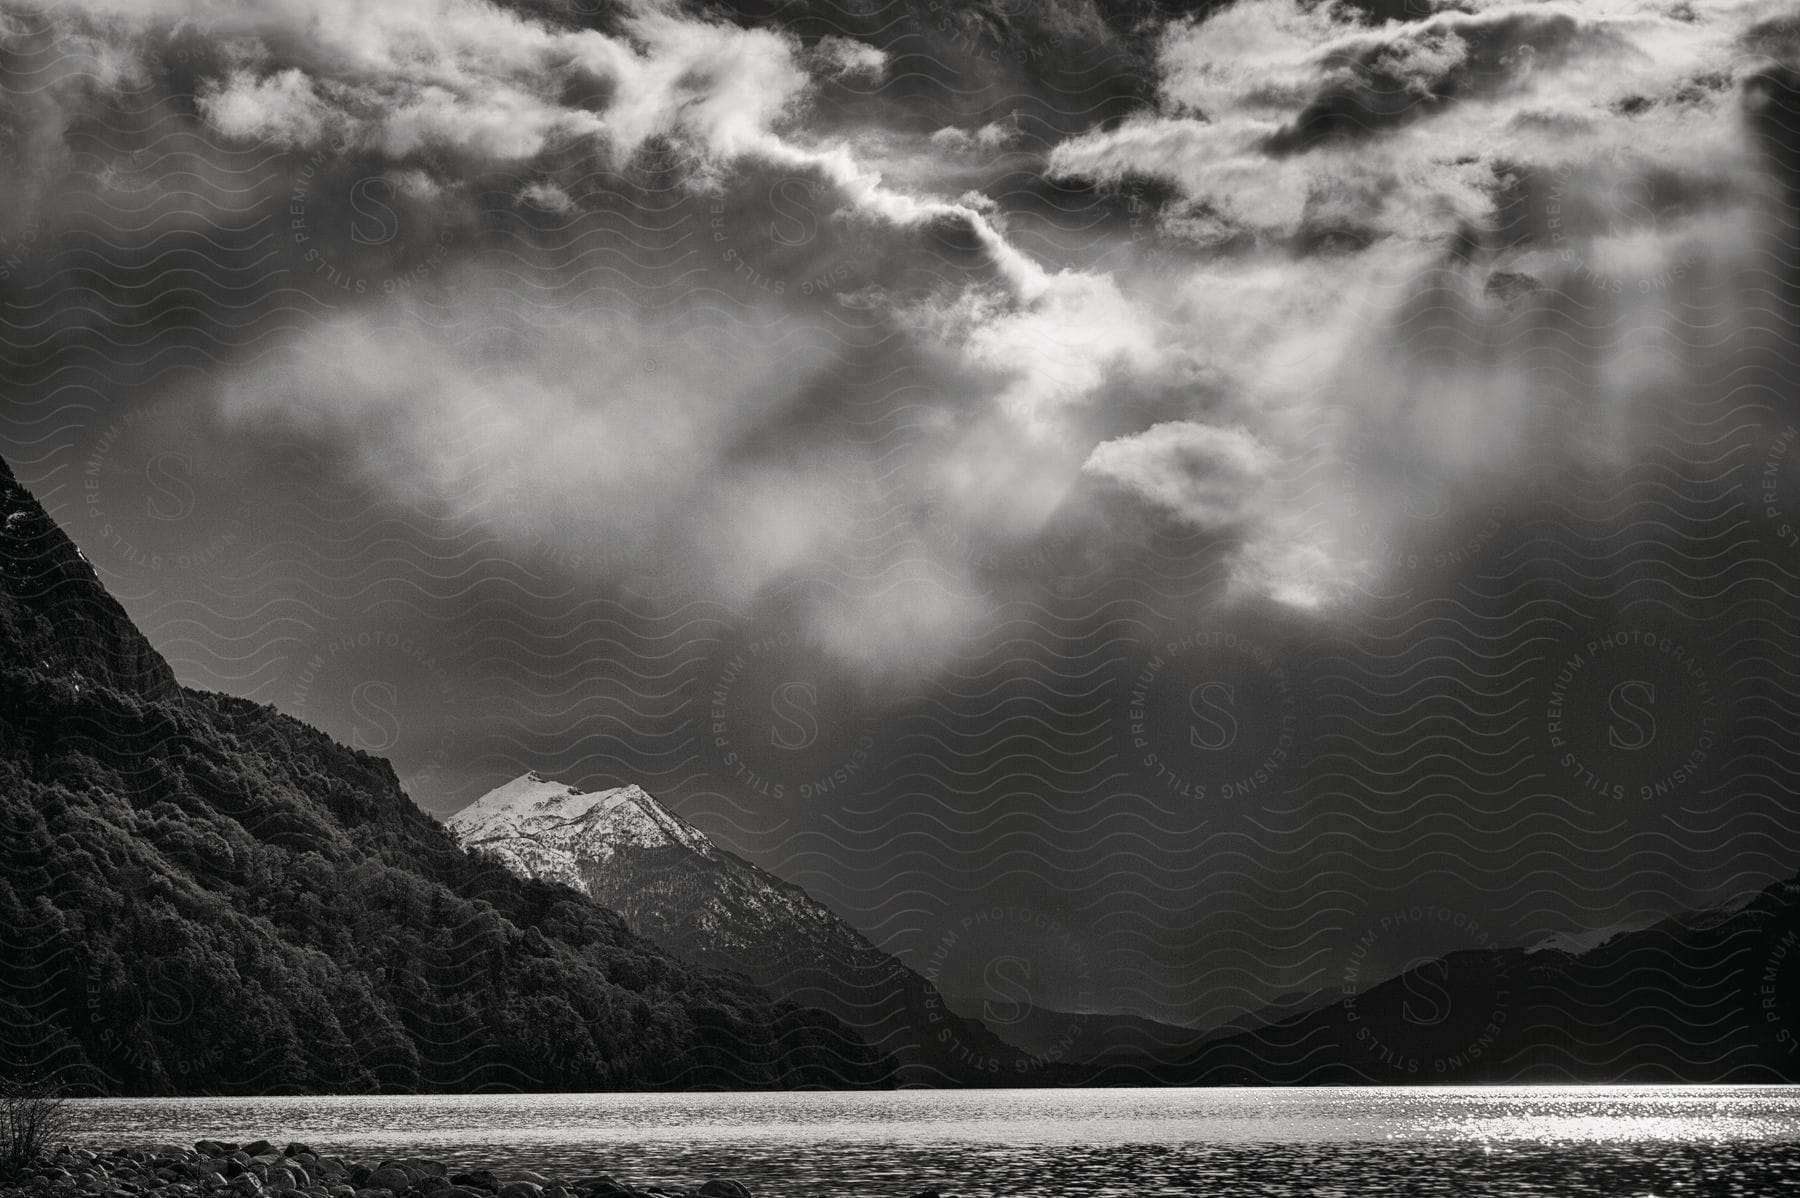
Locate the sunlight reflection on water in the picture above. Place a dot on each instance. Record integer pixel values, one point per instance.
(1319, 1143)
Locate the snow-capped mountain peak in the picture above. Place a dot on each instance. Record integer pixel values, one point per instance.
(671, 884)
(545, 828)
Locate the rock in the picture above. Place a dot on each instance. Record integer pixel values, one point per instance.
(521, 1189)
(258, 1148)
(420, 1167)
(430, 1183)
(477, 1179)
(390, 1177)
(721, 1188)
(296, 1149)
(456, 1191)
(374, 1192)
(536, 1179)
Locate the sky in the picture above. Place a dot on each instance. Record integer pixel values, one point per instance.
(1147, 493)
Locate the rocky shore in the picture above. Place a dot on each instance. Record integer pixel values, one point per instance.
(217, 1169)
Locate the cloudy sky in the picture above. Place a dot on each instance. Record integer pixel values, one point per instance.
(1186, 480)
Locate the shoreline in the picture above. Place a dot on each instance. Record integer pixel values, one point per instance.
(226, 1169)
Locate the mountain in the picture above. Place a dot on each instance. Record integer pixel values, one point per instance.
(1707, 996)
(199, 894)
(706, 905)
(1099, 1040)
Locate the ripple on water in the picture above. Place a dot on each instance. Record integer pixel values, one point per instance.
(1741, 1141)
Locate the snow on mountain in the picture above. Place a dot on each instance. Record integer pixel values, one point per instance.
(547, 829)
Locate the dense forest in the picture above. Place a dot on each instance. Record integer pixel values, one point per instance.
(201, 895)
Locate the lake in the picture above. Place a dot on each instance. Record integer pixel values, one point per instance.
(1338, 1142)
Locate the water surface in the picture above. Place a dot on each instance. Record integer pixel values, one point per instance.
(1336, 1142)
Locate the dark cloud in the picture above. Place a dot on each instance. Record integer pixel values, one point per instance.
(1379, 82)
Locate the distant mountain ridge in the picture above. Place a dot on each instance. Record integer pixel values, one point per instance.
(1709, 996)
(706, 905)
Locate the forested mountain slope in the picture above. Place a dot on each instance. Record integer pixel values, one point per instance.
(201, 895)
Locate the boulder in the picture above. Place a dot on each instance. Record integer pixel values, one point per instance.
(456, 1191)
(476, 1179)
(521, 1189)
(258, 1148)
(420, 1167)
(430, 1183)
(536, 1179)
(295, 1149)
(390, 1177)
(210, 1148)
(720, 1187)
